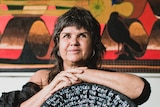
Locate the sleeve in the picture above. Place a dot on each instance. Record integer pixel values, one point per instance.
(145, 93)
(15, 98)
(9, 99)
(28, 90)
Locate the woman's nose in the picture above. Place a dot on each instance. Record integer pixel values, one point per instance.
(74, 41)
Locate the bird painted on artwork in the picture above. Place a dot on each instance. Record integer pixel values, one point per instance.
(119, 32)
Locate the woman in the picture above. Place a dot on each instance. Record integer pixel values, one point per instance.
(77, 52)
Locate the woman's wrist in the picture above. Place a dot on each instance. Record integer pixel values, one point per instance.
(48, 91)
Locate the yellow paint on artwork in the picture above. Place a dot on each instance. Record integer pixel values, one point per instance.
(38, 28)
(101, 9)
(125, 8)
(39, 33)
(137, 29)
(40, 2)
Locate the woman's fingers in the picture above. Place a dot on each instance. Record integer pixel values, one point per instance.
(69, 75)
(59, 86)
(66, 78)
(78, 70)
(82, 67)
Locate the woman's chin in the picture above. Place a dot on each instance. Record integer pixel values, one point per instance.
(78, 62)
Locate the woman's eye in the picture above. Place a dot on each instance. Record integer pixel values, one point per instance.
(66, 36)
(83, 35)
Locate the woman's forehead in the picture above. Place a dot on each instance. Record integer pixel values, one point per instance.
(74, 28)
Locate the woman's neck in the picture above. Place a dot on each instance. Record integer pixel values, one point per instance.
(72, 65)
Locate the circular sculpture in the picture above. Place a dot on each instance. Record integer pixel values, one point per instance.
(88, 95)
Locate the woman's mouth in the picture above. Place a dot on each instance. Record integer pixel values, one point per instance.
(75, 51)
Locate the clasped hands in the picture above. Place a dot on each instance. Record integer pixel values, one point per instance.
(66, 78)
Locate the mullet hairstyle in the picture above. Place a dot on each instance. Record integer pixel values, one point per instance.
(81, 18)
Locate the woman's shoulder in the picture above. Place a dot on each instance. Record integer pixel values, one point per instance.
(40, 77)
(42, 72)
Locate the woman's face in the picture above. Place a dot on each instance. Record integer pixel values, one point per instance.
(75, 46)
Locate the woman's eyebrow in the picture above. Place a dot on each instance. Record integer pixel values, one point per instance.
(85, 32)
(64, 33)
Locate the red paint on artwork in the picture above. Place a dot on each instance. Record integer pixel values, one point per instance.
(49, 21)
(102, 28)
(10, 53)
(4, 21)
(147, 19)
(110, 55)
(149, 55)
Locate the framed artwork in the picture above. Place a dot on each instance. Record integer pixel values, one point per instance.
(26, 28)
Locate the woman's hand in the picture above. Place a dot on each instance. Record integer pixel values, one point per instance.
(74, 72)
(64, 79)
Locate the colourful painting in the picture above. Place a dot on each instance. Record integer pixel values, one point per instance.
(26, 28)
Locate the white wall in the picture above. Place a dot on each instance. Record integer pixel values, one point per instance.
(15, 81)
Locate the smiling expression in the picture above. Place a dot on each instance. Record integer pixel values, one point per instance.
(75, 46)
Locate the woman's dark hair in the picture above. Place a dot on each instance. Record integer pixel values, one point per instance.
(81, 18)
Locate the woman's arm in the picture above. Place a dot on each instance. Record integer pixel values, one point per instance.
(40, 78)
(128, 84)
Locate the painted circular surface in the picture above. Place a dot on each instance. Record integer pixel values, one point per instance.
(88, 95)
